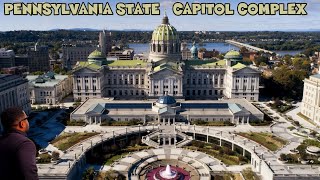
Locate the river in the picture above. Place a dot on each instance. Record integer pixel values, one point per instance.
(219, 46)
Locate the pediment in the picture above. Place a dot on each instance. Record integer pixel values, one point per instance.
(246, 70)
(85, 70)
(166, 72)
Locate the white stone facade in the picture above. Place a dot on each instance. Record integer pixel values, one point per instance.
(310, 106)
(49, 91)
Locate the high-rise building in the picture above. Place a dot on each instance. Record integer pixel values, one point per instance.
(14, 93)
(39, 58)
(6, 58)
(74, 53)
(105, 42)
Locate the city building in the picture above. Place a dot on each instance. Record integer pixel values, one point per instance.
(208, 54)
(185, 51)
(23, 60)
(166, 110)
(105, 42)
(126, 54)
(49, 88)
(39, 58)
(14, 93)
(6, 58)
(165, 73)
(310, 106)
(17, 70)
(74, 53)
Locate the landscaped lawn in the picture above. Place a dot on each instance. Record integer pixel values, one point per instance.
(115, 158)
(224, 154)
(211, 123)
(121, 123)
(66, 140)
(266, 139)
(302, 155)
(123, 152)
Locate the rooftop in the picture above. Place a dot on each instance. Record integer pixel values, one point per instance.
(239, 66)
(204, 63)
(131, 63)
(42, 81)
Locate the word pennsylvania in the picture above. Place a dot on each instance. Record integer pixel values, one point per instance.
(178, 9)
(48, 9)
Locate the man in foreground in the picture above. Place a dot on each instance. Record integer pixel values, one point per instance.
(17, 152)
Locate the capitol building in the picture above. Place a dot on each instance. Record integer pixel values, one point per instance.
(165, 73)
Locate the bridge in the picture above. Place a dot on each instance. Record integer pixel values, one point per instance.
(249, 47)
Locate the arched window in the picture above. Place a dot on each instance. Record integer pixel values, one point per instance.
(159, 48)
(165, 48)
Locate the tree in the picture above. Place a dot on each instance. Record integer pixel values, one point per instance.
(243, 50)
(88, 174)
(261, 59)
(55, 155)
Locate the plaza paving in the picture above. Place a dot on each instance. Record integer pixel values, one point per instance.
(73, 155)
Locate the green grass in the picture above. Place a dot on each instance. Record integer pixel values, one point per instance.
(306, 118)
(291, 128)
(302, 155)
(66, 140)
(115, 158)
(123, 152)
(268, 140)
(211, 123)
(121, 123)
(248, 174)
(44, 159)
(224, 154)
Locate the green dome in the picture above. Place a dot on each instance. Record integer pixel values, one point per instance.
(96, 57)
(233, 55)
(165, 32)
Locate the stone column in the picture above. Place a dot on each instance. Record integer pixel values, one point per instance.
(232, 147)
(151, 87)
(207, 134)
(139, 79)
(134, 79)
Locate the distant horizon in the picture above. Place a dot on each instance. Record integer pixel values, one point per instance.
(132, 30)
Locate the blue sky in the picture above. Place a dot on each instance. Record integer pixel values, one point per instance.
(198, 23)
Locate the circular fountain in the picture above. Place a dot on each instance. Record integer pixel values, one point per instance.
(168, 173)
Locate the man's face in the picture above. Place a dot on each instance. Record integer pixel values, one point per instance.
(24, 122)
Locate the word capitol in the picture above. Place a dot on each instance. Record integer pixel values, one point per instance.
(48, 9)
(243, 9)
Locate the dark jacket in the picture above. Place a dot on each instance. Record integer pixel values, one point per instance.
(17, 157)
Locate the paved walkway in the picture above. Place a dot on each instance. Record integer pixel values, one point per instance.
(293, 113)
